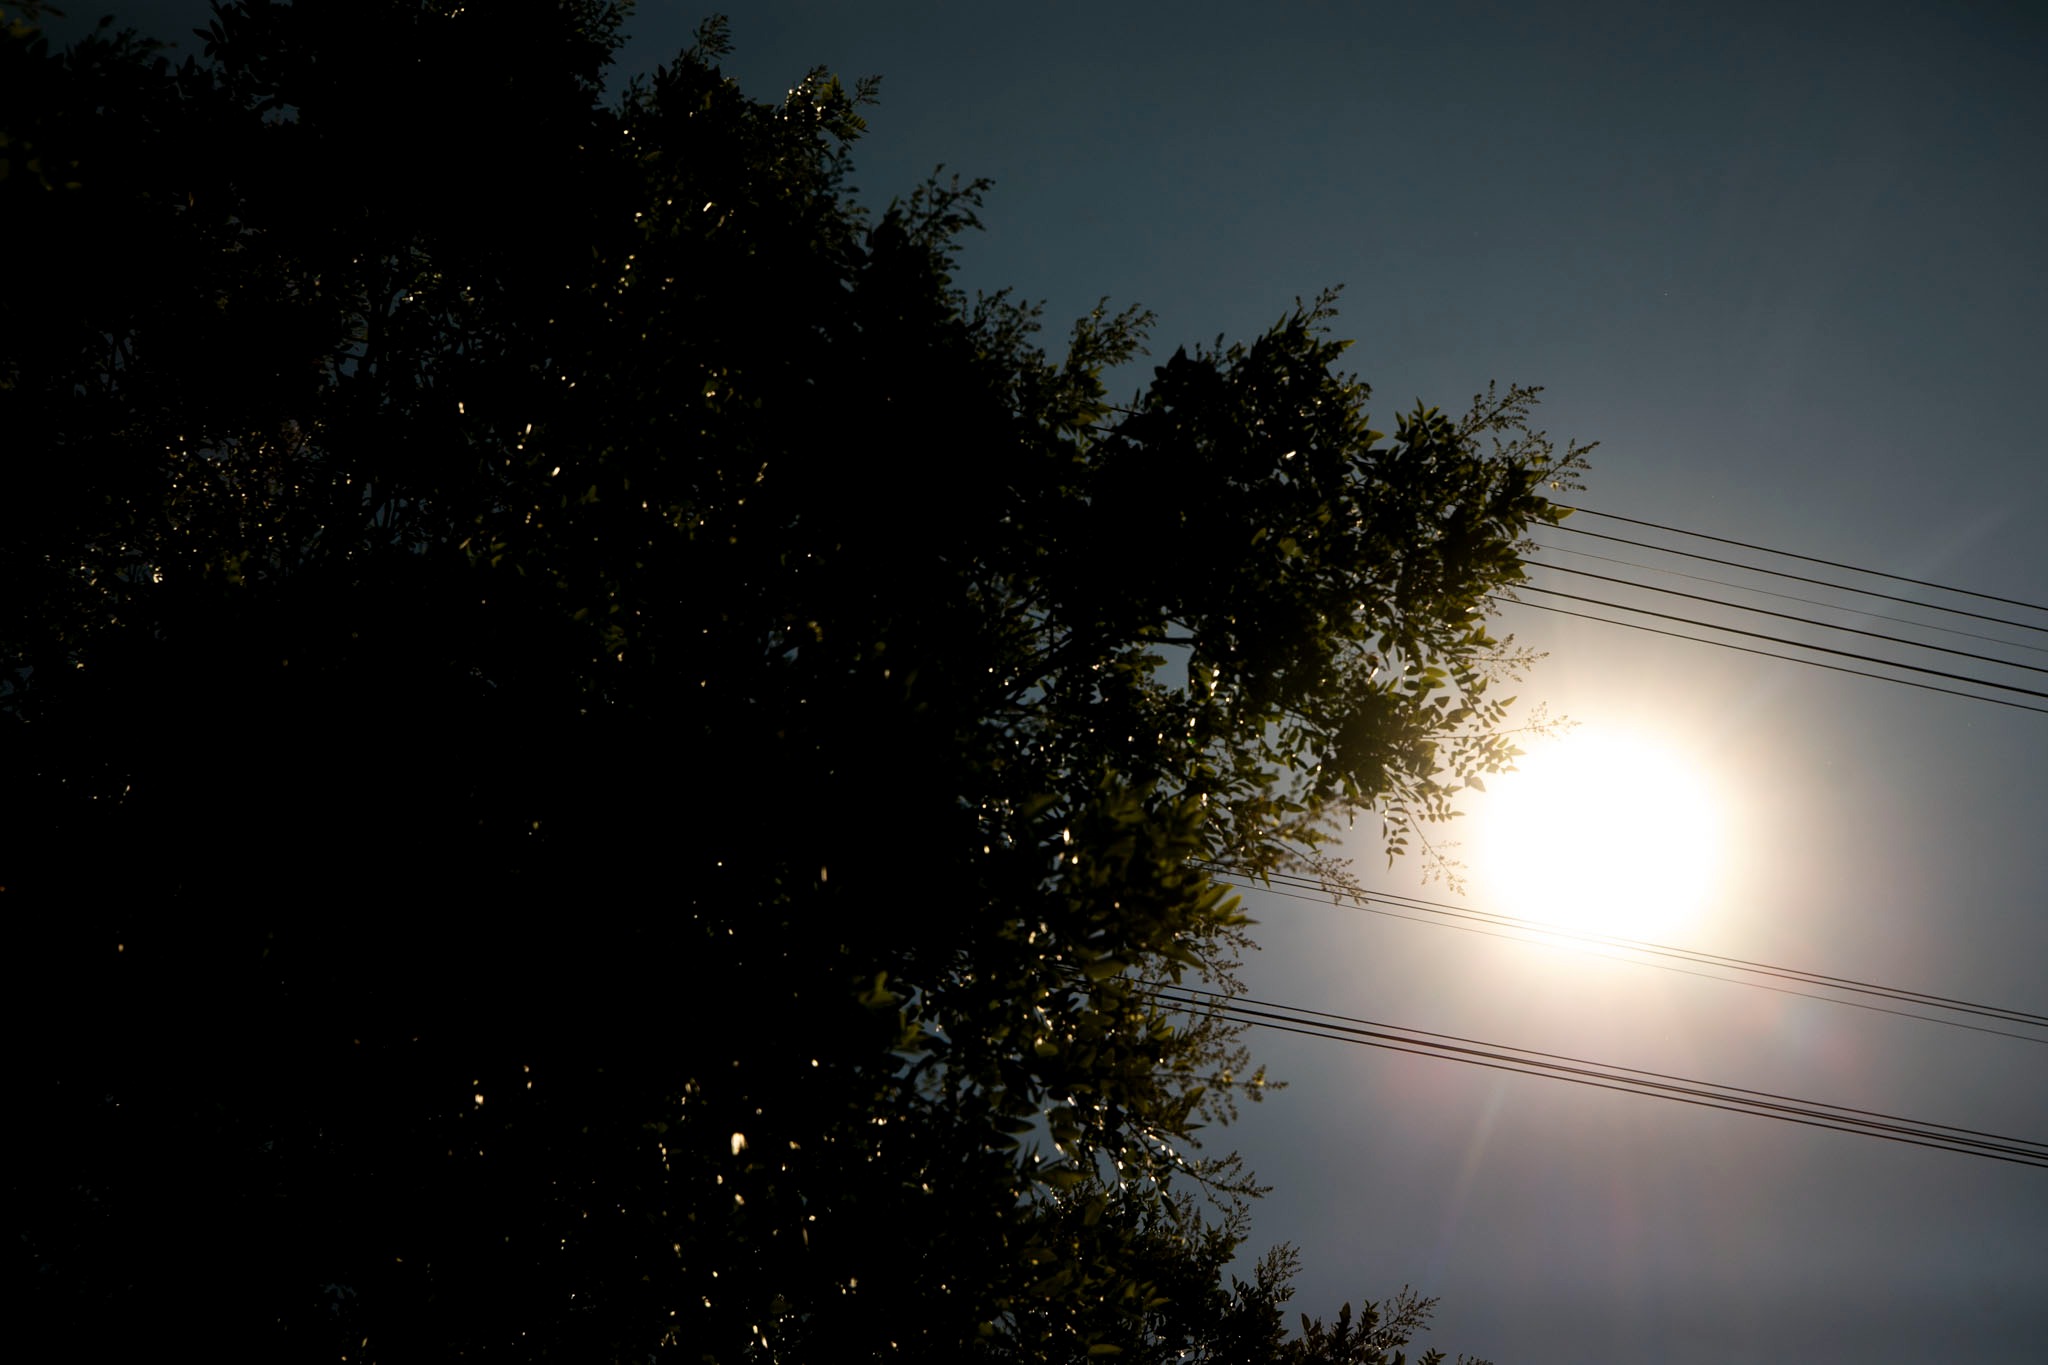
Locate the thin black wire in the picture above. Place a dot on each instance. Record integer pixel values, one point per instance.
(1781, 640)
(1623, 1088)
(1791, 596)
(2003, 1012)
(1783, 616)
(1204, 997)
(1657, 1079)
(1708, 1093)
(1613, 957)
(1799, 578)
(1773, 654)
(1336, 1036)
(1655, 1084)
(1810, 559)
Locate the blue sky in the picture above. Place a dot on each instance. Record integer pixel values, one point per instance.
(1786, 264)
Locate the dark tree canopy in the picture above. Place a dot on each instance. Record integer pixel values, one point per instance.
(600, 763)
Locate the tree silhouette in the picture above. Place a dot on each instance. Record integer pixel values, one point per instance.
(599, 762)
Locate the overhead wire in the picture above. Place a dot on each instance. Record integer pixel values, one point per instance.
(1787, 597)
(1796, 578)
(1772, 654)
(1971, 680)
(1630, 1080)
(1336, 896)
(1543, 934)
(1782, 640)
(1783, 616)
(1813, 559)
(1648, 1077)
(1333, 1035)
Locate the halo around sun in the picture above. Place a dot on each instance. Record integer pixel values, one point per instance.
(1599, 831)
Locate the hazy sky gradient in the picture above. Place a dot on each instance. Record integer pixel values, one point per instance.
(1786, 263)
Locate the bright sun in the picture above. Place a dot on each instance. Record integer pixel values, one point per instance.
(1599, 831)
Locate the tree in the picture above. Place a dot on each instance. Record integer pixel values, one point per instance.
(605, 764)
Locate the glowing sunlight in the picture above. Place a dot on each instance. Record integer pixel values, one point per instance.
(1599, 831)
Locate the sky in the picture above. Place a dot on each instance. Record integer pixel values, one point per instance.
(1788, 265)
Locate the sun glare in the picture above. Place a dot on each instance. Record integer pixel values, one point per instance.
(1599, 831)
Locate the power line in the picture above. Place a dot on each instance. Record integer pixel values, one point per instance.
(1648, 1076)
(1797, 578)
(1719, 959)
(1899, 994)
(1781, 640)
(1811, 559)
(1789, 616)
(1782, 616)
(1786, 596)
(1596, 1080)
(1478, 928)
(1456, 1047)
(1773, 654)
(1629, 1080)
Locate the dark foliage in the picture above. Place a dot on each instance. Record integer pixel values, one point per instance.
(598, 764)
